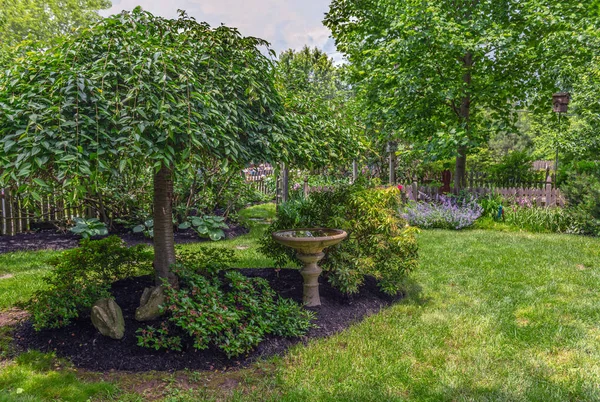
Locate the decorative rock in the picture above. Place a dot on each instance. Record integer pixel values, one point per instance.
(107, 317)
(151, 299)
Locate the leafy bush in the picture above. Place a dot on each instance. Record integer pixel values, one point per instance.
(445, 213)
(83, 275)
(206, 226)
(87, 228)
(379, 242)
(206, 261)
(582, 192)
(514, 168)
(233, 313)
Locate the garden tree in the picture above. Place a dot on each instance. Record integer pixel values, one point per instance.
(319, 106)
(138, 89)
(450, 72)
(42, 20)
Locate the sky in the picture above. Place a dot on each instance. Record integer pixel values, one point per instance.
(284, 23)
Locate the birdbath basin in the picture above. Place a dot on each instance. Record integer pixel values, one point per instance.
(309, 245)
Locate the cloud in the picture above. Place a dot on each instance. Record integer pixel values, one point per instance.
(284, 23)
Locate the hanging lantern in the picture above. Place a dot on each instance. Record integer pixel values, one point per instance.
(560, 102)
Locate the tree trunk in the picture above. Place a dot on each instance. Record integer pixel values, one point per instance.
(460, 168)
(465, 110)
(164, 242)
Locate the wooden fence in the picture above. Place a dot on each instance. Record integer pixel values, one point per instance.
(21, 213)
(548, 196)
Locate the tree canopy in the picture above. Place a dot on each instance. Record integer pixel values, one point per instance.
(450, 72)
(318, 105)
(42, 20)
(139, 89)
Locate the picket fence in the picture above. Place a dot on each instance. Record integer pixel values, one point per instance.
(546, 197)
(20, 213)
(541, 197)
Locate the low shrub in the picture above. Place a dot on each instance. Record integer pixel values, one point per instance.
(379, 242)
(83, 275)
(446, 212)
(230, 311)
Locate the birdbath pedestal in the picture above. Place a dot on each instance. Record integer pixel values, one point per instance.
(309, 245)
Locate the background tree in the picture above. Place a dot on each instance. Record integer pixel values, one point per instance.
(450, 72)
(138, 89)
(42, 20)
(318, 103)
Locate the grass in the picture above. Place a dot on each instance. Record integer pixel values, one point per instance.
(22, 272)
(489, 316)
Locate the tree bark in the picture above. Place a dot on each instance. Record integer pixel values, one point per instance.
(465, 111)
(164, 242)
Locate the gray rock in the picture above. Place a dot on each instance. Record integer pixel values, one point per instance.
(107, 317)
(151, 299)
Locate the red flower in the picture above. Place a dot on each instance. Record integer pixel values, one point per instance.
(400, 187)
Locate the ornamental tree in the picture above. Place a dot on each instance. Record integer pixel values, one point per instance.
(450, 72)
(138, 89)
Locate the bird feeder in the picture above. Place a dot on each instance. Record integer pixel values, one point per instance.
(560, 102)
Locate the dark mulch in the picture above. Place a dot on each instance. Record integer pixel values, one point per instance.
(53, 240)
(88, 349)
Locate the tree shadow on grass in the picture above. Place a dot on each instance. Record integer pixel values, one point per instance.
(413, 293)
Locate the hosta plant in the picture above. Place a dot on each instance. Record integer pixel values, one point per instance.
(206, 226)
(147, 228)
(87, 228)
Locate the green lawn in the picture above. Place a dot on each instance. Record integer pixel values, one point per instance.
(490, 316)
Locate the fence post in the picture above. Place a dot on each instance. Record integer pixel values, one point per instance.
(415, 189)
(354, 171)
(285, 183)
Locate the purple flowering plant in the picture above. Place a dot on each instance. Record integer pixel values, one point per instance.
(443, 212)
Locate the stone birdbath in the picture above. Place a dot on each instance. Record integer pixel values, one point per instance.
(309, 245)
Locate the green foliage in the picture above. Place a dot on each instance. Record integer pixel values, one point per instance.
(537, 219)
(490, 205)
(582, 192)
(93, 108)
(83, 275)
(90, 227)
(206, 226)
(319, 105)
(448, 73)
(147, 228)
(514, 168)
(379, 243)
(233, 314)
(206, 261)
(43, 20)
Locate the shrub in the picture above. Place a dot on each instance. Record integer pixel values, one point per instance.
(83, 275)
(582, 192)
(445, 213)
(233, 313)
(379, 242)
(206, 261)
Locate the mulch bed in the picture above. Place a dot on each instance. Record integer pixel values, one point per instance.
(53, 240)
(86, 348)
